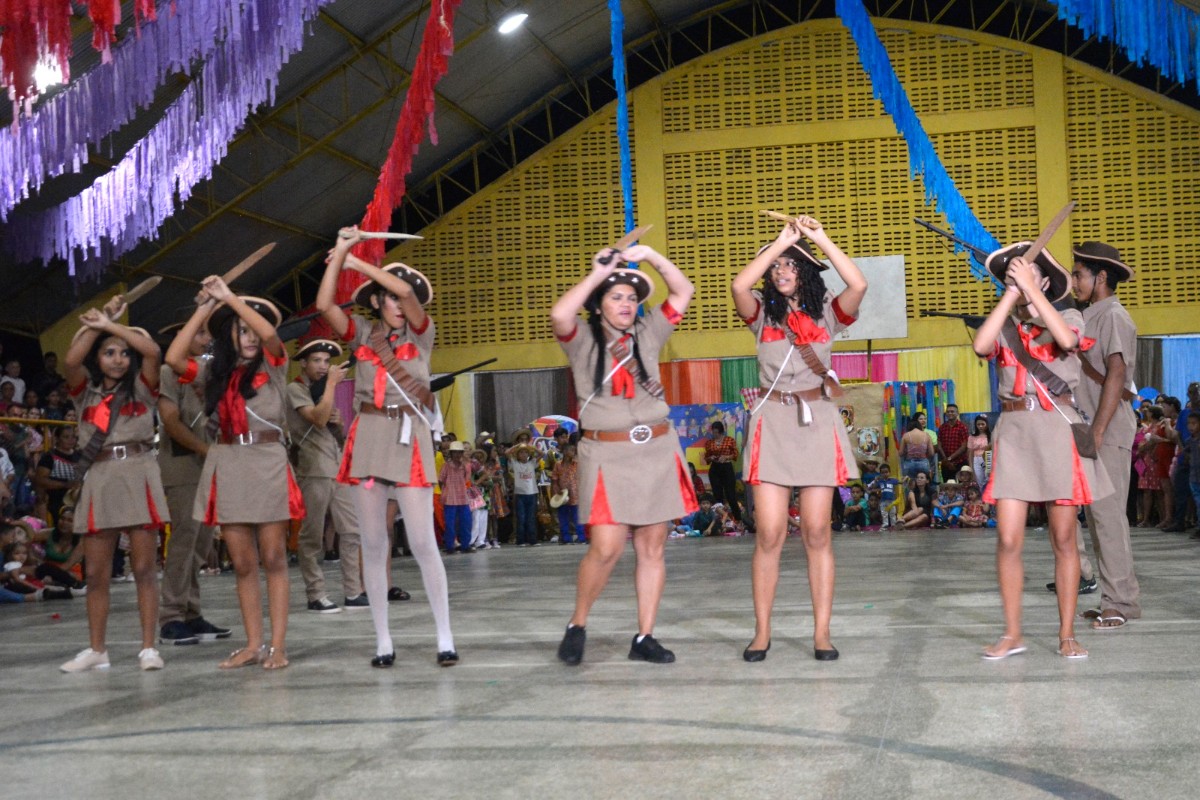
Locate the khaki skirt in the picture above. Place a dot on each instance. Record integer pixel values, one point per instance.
(780, 450)
(122, 493)
(623, 483)
(247, 484)
(1034, 459)
(374, 450)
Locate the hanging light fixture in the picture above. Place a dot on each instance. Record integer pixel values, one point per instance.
(513, 21)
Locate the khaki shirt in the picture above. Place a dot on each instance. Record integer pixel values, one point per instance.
(179, 465)
(1110, 325)
(318, 447)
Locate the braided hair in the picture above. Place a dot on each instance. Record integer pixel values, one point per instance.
(595, 323)
(225, 357)
(811, 294)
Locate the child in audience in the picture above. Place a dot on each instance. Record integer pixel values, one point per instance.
(975, 511)
(855, 515)
(875, 512)
(947, 506)
(889, 494)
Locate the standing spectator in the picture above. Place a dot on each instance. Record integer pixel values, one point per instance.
(54, 405)
(48, 378)
(979, 444)
(889, 493)
(55, 474)
(454, 478)
(952, 443)
(916, 449)
(12, 374)
(523, 466)
(720, 451)
(565, 478)
(1180, 490)
(1192, 451)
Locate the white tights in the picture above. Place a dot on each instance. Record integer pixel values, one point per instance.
(416, 506)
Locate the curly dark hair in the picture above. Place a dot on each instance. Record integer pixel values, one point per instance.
(811, 294)
(224, 359)
(595, 324)
(92, 363)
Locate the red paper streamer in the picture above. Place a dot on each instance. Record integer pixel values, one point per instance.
(34, 30)
(105, 14)
(437, 45)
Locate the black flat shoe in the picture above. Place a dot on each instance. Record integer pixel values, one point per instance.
(396, 593)
(384, 661)
(826, 655)
(447, 658)
(756, 655)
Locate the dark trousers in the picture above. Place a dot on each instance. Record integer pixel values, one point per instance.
(724, 487)
(568, 523)
(458, 526)
(526, 518)
(57, 574)
(1183, 494)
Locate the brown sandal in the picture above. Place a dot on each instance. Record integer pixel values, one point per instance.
(243, 657)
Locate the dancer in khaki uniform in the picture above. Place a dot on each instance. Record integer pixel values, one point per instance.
(112, 372)
(796, 435)
(181, 450)
(310, 420)
(1035, 459)
(631, 474)
(1103, 394)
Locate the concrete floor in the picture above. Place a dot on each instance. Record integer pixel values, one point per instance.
(910, 710)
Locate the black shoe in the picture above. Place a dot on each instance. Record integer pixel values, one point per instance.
(396, 593)
(331, 557)
(384, 661)
(177, 632)
(826, 655)
(323, 605)
(756, 655)
(570, 649)
(648, 649)
(447, 658)
(207, 632)
(1087, 586)
(357, 602)
(1176, 528)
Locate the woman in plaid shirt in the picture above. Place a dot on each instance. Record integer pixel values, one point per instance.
(720, 452)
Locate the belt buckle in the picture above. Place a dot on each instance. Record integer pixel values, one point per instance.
(787, 398)
(119, 452)
(640, 434)
(1030, 402)
(392, 412)
(244, 438)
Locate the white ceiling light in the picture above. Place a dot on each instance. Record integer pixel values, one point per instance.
(46, 75)
(512, 22)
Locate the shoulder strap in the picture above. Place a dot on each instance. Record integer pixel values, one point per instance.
(1097, 377)
(1050, 381)
(829, 382)
(377, 340)
(119, 398)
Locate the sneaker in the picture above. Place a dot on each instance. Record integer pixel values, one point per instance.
(331, 557)
(207, 632)
(322, 605)
(178, 633)
(357, 602)
(149, 659)
(648, 649)
(1087, 586)
(570, 649)
(86, 660)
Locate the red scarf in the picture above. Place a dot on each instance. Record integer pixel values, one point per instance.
(623, 383)
(231, 409)
(100, 414)
(405, 352)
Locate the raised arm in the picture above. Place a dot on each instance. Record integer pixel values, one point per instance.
(318, 415)
(178, 352)
(327, 293)
(414, 312)
(1022, 273)
(856, 285)
(985, 338)
(745, 281)
(216, 289)
(564, 312)
(679, 289)
(77, 373)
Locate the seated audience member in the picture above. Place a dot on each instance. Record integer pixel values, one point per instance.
(55, 408)
(920, 503)
(18, 578)
(700, 519)
(889, 493)
(875, 513)
(55, 473)
(12, 377)
(975, 511)
(948, 505)
(855, 515)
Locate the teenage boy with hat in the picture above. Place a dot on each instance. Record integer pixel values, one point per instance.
(1107, 375)
(312, 419)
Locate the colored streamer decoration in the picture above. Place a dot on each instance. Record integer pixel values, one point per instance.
(33, 31)
(1161, 33)
(617, 35)
(437, 45)
(922, 158)
(131, 201)
(54, 139)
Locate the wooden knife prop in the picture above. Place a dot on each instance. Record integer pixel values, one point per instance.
(240, 268)
(625, 241)
(373, 235)
(1043, 239)
(778, 216)
(141, 290)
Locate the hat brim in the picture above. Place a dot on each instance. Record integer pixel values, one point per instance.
(142, 331)
(1060, 279)
(1123, 271)
(422, 288)
(636, 278)
(266, 308)
(319, 346)
(795, 250)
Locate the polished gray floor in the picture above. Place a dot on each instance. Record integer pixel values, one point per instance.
(910, 710)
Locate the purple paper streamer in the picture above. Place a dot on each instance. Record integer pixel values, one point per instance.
(131, 201)
(55, 138)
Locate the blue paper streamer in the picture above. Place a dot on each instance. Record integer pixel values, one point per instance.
(617, 32)
(923, 160)
(1161, 33)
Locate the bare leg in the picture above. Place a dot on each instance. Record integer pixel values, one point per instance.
(770, 519)
(98, 555)
(1066, 573)
(607, 543)
(1010, 538)
(650, 573)
(240, 542)
(143, 545)
(815, 503)
(272, 550)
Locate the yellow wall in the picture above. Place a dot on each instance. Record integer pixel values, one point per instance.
(788, 121)
(57, 338)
